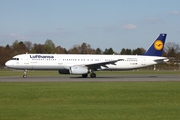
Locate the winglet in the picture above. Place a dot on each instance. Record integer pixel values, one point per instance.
(156, 49)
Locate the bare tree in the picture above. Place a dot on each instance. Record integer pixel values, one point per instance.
(38, 48)
(82, 49)
(60, 50)
(28, 45)
(73, 50)
(172, 50)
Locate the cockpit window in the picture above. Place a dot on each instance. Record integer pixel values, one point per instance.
(15, 59)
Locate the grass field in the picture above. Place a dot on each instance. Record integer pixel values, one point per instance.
(87, 101)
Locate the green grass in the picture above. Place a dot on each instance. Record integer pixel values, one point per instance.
(55, 72)
(87, 101)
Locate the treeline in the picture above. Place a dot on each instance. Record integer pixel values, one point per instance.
(172, 50)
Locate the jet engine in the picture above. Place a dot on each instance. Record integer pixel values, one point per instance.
(64, 71)
(74, 70)
(78, 70)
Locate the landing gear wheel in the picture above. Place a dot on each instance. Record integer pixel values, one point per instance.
(93, 75)
(84, 75)
(25, 76)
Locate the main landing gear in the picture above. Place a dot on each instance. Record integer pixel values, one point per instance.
(92, 75)
(25, 75)
(84, 75)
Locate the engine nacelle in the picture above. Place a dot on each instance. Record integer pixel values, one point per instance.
(64, 71)
(78, 70)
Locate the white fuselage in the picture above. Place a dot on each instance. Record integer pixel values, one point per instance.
(65, 61)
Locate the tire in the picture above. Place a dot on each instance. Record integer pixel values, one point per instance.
(84, 75)
(93, 75)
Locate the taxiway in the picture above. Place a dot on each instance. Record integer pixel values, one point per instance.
(104, 78)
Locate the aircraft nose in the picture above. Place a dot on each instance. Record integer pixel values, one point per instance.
(8, 63)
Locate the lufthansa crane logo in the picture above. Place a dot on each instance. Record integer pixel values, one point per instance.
(158, 45)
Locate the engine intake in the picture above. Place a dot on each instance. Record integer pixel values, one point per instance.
(64, 71)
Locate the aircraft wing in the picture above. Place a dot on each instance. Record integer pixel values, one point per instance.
(95, 66)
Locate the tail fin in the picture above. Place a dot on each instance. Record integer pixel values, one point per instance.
(156, 49)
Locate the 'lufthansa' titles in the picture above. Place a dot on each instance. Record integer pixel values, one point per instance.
(41, 56)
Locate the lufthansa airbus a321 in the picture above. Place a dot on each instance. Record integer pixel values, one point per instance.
(84, 64)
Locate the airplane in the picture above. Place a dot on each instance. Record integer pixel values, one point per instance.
(84, 64)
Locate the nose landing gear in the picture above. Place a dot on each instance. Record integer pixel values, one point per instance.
(25, 75)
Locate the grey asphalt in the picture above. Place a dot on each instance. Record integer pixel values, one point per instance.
(104, 78)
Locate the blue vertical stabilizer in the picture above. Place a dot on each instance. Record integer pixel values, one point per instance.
(156, 49)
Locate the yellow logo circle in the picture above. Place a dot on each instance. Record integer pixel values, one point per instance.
(158, 45)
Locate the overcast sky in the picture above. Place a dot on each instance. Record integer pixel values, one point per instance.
(100, 23)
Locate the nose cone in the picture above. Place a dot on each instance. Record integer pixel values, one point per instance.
(8, 64)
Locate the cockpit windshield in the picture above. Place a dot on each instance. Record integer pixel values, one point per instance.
(15, 59)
